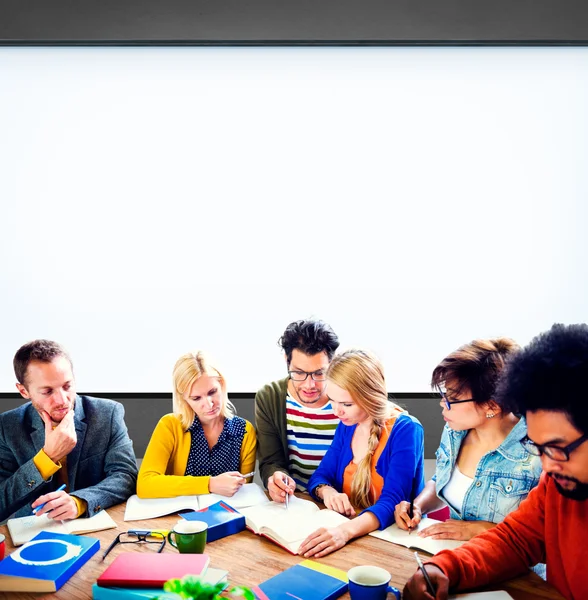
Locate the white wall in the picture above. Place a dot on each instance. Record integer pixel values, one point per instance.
(155, 200)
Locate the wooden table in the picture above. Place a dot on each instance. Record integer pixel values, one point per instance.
(251, 559)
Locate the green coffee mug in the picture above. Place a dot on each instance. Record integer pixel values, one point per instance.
(190, 536)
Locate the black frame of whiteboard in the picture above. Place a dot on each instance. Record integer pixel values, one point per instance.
(294, 22)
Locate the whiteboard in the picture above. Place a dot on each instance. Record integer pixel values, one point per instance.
(159, 200)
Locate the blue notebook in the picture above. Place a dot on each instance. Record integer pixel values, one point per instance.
(222, 520)
(308, 580)
(46, 562)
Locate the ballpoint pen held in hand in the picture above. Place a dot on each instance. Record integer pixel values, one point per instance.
(38, 508)
(285, 480)
(430, 587)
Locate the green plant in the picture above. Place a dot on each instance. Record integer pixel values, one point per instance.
(191, 587)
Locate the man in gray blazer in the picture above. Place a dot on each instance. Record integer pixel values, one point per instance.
(71, 453)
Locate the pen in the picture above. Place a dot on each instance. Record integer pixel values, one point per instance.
(61, 487)
(285, 480)
(411, 508)
(247, 474)
(430, 587)
(410, 513)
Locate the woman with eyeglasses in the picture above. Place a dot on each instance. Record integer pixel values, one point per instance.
(202, 447)
(483, 469)
(375, 459)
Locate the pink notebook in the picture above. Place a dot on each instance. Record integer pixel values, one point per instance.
(141, 569)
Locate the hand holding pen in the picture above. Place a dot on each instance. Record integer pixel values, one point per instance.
(58, 505)
(280, 486)
(428, 582)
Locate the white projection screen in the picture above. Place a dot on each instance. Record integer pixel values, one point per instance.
(157, 200)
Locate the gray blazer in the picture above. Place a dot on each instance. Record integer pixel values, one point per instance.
(101, 469)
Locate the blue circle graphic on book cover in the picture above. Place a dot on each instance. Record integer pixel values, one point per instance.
(42, 553)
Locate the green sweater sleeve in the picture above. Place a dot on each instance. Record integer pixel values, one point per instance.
(270, 423)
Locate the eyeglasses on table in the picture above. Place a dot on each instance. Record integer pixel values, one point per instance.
(137, 536)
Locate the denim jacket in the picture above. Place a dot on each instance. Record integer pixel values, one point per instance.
(503, 477)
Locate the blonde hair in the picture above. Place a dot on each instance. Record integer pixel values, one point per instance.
(188, 369)
(361, 374)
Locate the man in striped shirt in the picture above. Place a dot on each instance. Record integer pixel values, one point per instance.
(293, 416)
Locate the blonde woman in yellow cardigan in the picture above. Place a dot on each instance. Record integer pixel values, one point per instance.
(202, 447)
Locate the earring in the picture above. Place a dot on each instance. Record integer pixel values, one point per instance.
(490, 415)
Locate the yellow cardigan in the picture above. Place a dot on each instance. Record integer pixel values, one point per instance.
(162, 471)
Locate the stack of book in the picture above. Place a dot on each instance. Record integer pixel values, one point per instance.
(140, 575)
(308, 580)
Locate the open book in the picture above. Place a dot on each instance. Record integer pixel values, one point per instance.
(411, 540)
(137, 508)
(25, 529)
(289, 527)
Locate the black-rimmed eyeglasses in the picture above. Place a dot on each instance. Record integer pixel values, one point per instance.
(552, 452)
(319, 375)
(136, 536)
(449, 402)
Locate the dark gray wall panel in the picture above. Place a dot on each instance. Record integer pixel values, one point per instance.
(306, 21)
(142, 414)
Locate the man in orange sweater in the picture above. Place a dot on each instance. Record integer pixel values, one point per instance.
(547, 382)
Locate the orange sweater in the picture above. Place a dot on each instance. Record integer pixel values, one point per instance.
(546, 528)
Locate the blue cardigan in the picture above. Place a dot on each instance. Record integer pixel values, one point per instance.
(401, 465)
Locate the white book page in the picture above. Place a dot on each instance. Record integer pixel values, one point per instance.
(25, 529)
(273, 513)
(249, 494)
(149, 508)
(395, 535)
(100, 521)
(291, 531)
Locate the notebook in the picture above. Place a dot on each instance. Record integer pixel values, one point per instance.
(212, 576)
(289, 527)
(151, 570)
(308, 580)
(46, 562)
(221, 518)
(411, 540)
(24, 529)
(137, 508)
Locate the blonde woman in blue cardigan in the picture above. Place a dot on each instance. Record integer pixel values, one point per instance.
(375, 460)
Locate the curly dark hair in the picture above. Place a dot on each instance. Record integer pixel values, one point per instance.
(476, 366)
(551, 373)
(310, 337)
(41, 350)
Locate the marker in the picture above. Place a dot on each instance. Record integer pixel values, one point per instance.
(247, 474)
(61, 487)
